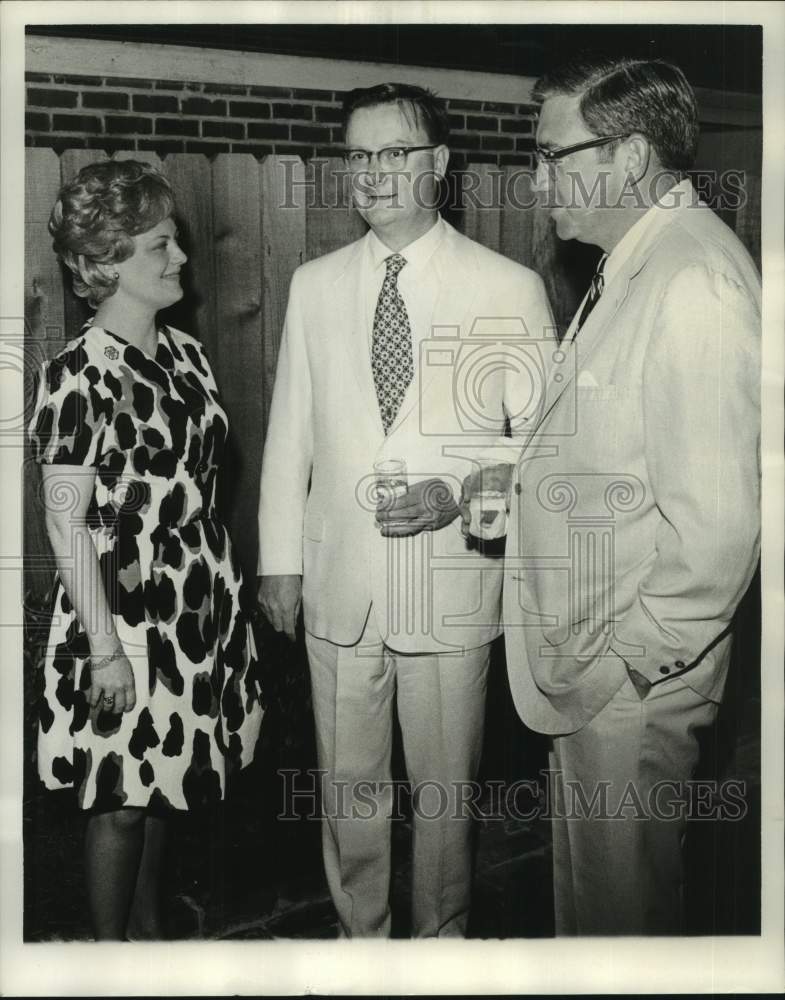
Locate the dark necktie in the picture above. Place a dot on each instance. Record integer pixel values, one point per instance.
(391, 347)
(597, 285)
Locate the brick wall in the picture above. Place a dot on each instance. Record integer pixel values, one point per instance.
(114, 113)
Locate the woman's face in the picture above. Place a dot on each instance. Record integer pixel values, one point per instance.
(151, 275)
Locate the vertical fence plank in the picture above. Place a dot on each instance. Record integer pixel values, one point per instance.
(482, 192)
(44, 336)
(238, 281)
(526, 232)
(283, 249)
(191, 178)
(44, 310)
(142, 155)
(748, 217)
(528, 236)
(331, 221)
(72, 161)
(77, 310)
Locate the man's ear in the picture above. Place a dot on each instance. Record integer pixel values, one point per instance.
(638, 156)
(441, 157)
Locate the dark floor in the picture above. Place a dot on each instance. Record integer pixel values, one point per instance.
(237, 873)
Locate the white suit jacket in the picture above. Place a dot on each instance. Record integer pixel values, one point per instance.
(635, 520)
(429, 593)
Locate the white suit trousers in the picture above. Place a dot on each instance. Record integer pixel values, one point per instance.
(441, 708)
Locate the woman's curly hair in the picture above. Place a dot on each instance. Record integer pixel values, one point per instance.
(98, 212)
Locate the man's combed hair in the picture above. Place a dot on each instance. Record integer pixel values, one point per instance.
(423, 106)
(624, 95)
(98, 212)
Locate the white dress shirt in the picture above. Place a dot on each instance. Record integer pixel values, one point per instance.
(417, 282)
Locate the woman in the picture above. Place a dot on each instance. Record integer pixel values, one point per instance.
(151, 679)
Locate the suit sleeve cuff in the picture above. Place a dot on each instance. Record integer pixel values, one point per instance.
(648, 677)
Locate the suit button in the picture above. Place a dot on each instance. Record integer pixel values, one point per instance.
(518, 489)
(680, 664)
(665, 670)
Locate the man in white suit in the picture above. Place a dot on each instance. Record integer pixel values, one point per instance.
(635, 518)
(384, 344)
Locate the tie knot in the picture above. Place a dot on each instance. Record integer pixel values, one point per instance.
(395, 263)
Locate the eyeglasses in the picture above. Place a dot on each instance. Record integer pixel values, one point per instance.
(554, 155)
(389, 158)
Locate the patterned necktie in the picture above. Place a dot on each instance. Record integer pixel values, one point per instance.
(391, 348)
(597, 285)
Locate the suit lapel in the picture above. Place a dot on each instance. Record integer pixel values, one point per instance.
(348, 306)
(580, 347)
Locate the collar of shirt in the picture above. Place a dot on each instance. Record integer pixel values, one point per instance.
(627, 244)
(417, 254)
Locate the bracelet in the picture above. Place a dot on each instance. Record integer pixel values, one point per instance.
(106, 660)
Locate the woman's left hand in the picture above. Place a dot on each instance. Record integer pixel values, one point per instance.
(113, 687)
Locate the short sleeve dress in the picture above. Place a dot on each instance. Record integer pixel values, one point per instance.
(152, 432)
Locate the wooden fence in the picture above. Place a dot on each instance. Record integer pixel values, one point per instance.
(246, 225)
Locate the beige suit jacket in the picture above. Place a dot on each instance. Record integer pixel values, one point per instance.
(429, 593)
(635, 520)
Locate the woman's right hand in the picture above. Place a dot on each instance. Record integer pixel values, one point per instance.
(112, 688)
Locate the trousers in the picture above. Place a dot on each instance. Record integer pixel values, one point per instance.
(441, 709)
(619, 790)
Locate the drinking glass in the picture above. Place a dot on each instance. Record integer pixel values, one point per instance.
(391, 481)
(488, 512)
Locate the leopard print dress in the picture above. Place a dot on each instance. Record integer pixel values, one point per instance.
(152, 432)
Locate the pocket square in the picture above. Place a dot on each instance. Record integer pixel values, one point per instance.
(587, 380)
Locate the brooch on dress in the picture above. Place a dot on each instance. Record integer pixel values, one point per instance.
(112, 353)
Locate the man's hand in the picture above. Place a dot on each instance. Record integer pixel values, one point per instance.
(426, 506)
(494, 477)
(279, 599)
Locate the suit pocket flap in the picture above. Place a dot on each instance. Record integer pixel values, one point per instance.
(313, 527)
